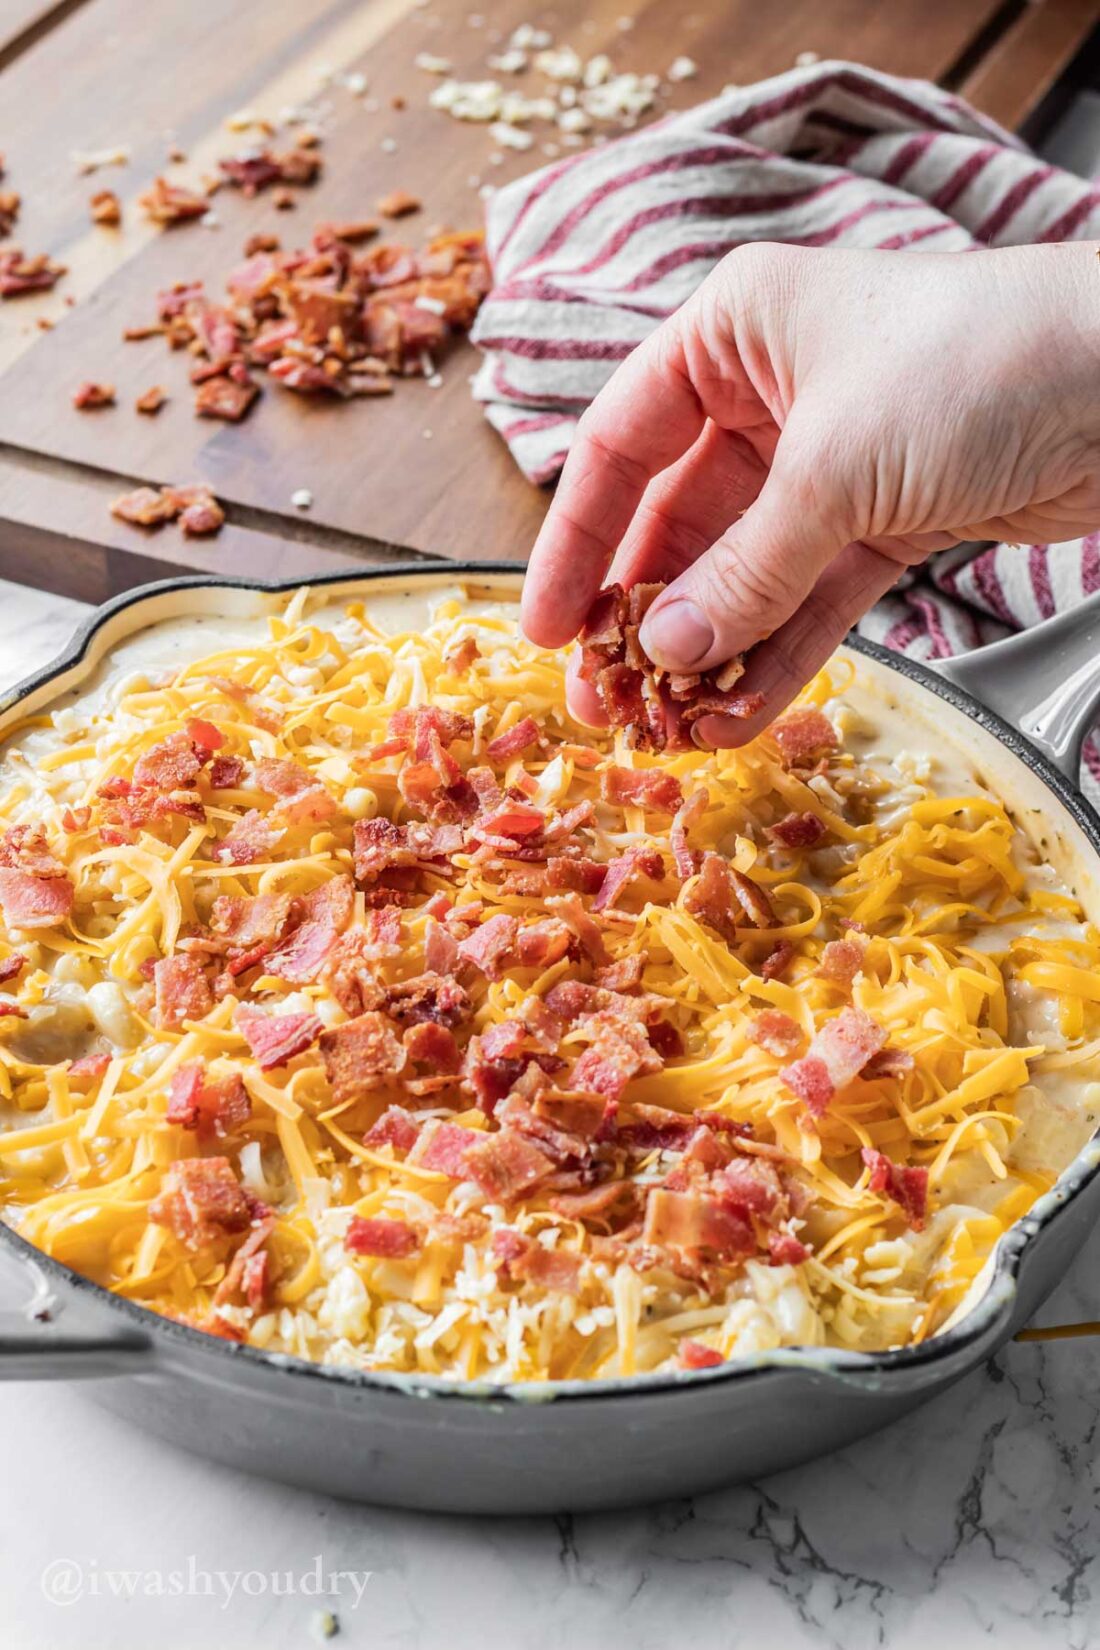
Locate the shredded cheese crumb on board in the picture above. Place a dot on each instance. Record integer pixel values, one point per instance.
(359, 1004)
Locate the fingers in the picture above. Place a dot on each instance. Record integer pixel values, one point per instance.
(582, 698)
(753, 579)
(644, 418)
(690, 505)
(681, 515)
(780, 667)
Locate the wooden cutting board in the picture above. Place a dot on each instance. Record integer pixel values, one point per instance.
(420, 471)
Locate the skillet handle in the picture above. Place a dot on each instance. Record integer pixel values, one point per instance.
(34, 1348)
(35, 1352)
(1044, 681)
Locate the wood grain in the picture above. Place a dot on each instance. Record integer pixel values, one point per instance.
(1023, 65)
(420, 470)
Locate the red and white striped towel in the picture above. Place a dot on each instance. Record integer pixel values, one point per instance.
(591, 253)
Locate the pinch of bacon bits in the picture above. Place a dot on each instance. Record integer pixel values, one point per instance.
(150, 401)
(171, 203)
(89, 396)
(197, 510)
(105, 207)
(658, 708)
(398, 204)
(20, 274)
(261, 242)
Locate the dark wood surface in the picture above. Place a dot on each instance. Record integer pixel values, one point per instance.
(381, 485)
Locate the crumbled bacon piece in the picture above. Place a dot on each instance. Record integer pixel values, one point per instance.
(393, 1239)
(171, 203)
(904, 1184)
(434, 1046)
(359, 1053)
(427, 997)
(506, 1166)
(396, 1127)
(303, 954)
(226, 773)
(249, 840)
(784, 1249)
(20, 274)
(182, 991)
(276, 1038)
(638, 861)
(208, 1106)
(200, 514)
(750, 1185)
(776, 1032)
(777, 959)
(221, 396)
(694, 1355)
(462, 656)
(150, 401)
(621, 1050)
(840, 962)
(89, 396)
(350, 976)
(804, 735)
(11, 966)
(581, 1114)
(585, 927)
(642, 788)
(710, 897)
(398, 204)
(888, 1062)
(623, 975)
(243, 921)
(443, 1147)
(201, 1201)
(526, 1260)
(837, 1054)
(168, 766)
(252, 172)
(798, 831)
(104, 207)
(144, 507)
(513, 743)
(90, 1065)
(351, 230)
(686, 1220)
(10, 203)
(491, 947)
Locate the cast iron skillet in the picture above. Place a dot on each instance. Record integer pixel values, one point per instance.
(417, 1441)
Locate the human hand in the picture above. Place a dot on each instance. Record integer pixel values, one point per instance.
(808, 425)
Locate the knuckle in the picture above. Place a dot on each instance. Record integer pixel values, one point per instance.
(736, 588)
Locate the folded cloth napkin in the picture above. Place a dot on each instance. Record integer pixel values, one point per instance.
(591, 253)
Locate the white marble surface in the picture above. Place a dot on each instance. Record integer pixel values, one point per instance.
(975, 1520)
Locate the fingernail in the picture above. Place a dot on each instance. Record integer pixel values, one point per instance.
(677, 635)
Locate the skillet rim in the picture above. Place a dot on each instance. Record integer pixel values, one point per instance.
(873, 1372)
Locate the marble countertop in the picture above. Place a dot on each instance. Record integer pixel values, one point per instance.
(976, 1519)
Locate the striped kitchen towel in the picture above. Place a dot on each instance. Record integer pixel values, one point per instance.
(592, 252)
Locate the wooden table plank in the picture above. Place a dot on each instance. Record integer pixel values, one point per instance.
(24, 21)
(1015, 75)
(371, 466)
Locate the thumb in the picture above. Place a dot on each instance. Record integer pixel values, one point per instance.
(752, 579)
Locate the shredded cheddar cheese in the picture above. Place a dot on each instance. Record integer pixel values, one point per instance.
(336, 1238)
